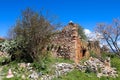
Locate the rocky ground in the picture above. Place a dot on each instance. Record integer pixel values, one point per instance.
(98, 67)
(26, 71)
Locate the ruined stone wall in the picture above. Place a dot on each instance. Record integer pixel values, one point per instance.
(105, 49)
(68, 43)
(94, 46)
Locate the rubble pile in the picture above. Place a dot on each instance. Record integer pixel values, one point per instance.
(99, 67)
(63, 68)
(32, 74)
(60, 69)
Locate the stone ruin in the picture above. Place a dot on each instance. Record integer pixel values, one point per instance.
(94, 46)
(105, 49)
(100, 68)
(68, 44)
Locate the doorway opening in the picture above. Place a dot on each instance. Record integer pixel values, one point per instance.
(83, 52)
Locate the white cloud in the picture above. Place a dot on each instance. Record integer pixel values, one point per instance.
(92, 35)
(96, 36)
(87, 31)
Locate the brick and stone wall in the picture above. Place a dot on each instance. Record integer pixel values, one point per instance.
(68, 44)
(95, 47)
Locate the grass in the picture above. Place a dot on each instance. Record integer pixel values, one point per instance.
(73, 75)
(45, 67)
(78, 75)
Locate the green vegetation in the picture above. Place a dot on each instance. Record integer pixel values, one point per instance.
(45, 68)
(81, 32)
(28, 41)
(78, 75)
(29, 37)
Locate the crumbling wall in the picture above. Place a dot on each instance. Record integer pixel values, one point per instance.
(105, 49)
(69, 45)
(94, 46)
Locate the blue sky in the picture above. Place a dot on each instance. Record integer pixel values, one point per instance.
(85, 12)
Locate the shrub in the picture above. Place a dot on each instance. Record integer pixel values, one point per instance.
(34, 31)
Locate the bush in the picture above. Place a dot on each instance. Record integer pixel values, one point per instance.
(93, 54)
(4, 60)
(34, 31)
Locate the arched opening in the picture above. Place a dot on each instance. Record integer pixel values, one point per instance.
(83, 52)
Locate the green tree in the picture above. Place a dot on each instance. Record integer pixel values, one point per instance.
(81, 32)
(35, 30)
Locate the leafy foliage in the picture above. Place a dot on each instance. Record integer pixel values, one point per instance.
(32, 33)
(81, 32)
